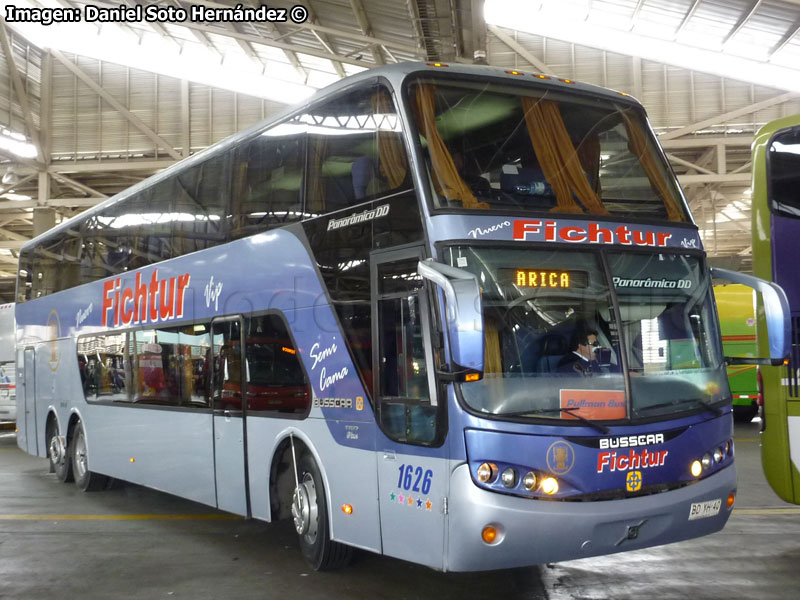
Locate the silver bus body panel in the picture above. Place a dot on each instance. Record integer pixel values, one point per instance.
(536, 532)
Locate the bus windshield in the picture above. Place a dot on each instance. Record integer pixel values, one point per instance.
(516, 148)
(563, 328)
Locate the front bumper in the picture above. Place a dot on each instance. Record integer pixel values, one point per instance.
(534, 532)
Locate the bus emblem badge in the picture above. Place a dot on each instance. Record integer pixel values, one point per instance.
(633, 482)
(359, 403)
(560, 458)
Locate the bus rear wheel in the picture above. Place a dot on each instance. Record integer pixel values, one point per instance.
(84, 478)
(310, 514)
(60, 460)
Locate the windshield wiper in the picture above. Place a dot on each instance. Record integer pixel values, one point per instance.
(704, 403)
(536, 411)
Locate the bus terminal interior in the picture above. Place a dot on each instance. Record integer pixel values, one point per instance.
(644, 150)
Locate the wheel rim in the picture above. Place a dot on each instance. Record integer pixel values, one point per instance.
(55, 451)
(305, 509)
(80, 455)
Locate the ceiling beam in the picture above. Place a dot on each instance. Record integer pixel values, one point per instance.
(711, 140)
(20, 92)
(742, 22)
(77, 185)
(363, 24)
(135, 121)
(787, 37)
(520, 49)
(689, 14)
(715, 178)
(676, 133)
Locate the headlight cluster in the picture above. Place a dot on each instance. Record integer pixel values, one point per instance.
(532, 481)
(714, 457)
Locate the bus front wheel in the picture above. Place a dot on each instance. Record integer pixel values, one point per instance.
(84, 478)
(60, 460)
(310, 514)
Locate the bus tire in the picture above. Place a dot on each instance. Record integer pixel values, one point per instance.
(59, 457)
(311, 520)
(84, 478)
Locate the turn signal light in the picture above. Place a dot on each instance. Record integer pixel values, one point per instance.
(489, 534)
(347, 509)
(731, 498)
(472, 377)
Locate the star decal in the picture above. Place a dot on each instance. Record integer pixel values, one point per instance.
(419, 502)
(428, 505)
(402, 498)
(392, 497)
(410, 501)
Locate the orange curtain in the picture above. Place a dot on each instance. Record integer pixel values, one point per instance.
(589, 155)
(316, 191)
(637, 143)
(444, 169)
(492, 360)
(391, 155)
(558, 158)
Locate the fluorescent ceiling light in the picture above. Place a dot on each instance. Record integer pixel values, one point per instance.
(527, 17)
(273, 80)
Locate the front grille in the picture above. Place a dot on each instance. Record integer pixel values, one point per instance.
(621, 493)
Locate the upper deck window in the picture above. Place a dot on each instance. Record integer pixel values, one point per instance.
(491, 146)
(784, 172)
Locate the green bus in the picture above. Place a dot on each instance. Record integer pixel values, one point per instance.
(736, 305)
(776, 228)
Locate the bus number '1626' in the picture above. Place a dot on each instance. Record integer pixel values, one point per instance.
(414, 480)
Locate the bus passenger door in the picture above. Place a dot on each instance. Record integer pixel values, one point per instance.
(26, 418)
(412, 466)
(229, 407)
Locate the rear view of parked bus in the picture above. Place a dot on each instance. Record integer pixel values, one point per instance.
(455, 315)
(776, 226)
(736, 305)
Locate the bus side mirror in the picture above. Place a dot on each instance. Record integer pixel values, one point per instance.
(464, 313)
(776, 309)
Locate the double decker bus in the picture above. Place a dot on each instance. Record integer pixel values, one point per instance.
(492, 310)
(776, 223)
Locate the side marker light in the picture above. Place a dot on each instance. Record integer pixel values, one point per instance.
(489, 534)
(347, 509)
(133, 460)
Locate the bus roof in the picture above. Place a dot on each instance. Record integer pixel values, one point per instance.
(396, 74)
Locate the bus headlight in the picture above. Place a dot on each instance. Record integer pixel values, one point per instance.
(706, 461)
(530, 481)
(696, 468)
(509, 477)
(719, 454)
(487, 472)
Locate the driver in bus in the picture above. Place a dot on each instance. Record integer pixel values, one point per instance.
(581, 360)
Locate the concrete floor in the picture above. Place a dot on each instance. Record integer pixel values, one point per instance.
(137, 543)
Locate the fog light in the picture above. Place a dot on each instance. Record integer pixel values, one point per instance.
(731, 498)
(487, 472)
(509, 477)
(719, 454)
(696, 468)
(530, 480)
(706, 460)
(489, 534)
(549, 485)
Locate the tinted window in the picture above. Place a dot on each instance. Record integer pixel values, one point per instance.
(356, 150)
(276, 380)
(783, 163)
(165, 367)
(268, 179)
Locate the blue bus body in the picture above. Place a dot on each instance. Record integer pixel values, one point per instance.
(419, 502)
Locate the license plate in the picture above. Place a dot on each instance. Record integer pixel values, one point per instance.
(702, 510)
